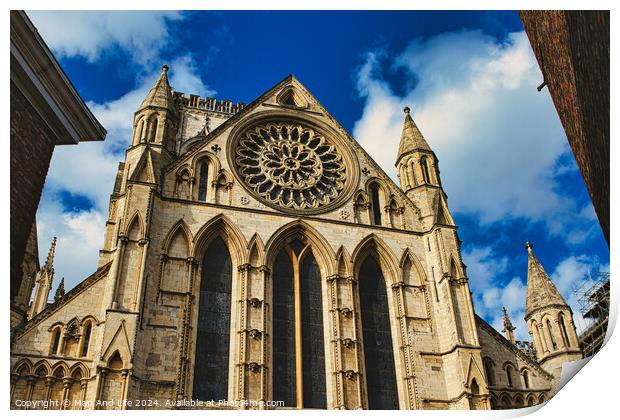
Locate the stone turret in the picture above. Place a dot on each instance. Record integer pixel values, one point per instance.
(155, 121)
(416, 163)
(45, 278)
(549, 319)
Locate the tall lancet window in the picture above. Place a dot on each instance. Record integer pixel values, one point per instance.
(377, 336)
(375, 205)
(298, 344)
(202, 181)
(554, 342)
(213, 327)
(564, 330)
(425, 174)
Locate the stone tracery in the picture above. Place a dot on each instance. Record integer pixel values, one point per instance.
(291, 165)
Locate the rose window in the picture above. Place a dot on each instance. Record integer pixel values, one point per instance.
(290, 165)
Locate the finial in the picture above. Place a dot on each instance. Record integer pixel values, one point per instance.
(529, 246)
(505, 311)
(60, 291)
(50, 255)
(407, 110)
(164, 68)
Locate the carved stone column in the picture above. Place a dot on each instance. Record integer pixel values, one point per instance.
(83, 387)
(186, 328)
(405, 347)
(66, 386)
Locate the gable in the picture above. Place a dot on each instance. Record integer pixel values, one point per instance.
(329, 171)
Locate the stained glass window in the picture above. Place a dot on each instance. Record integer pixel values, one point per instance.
(378, 350)
(213, 329)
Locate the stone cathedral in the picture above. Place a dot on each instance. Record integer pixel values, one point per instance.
(256, 257)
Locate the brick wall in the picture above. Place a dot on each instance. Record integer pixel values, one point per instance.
(572, 49)
(32, 144)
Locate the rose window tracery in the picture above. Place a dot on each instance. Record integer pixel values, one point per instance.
(291, 165)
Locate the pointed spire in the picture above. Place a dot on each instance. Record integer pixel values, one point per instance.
(49, 261)
(160, 94)
(411, 138)
(60, 290)
(45, 278)
(508, 328)
(541, 292)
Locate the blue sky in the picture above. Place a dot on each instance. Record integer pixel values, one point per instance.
(470, 78)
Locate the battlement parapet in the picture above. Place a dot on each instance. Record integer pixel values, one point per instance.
(208, 104)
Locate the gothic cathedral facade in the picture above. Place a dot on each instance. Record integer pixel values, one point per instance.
(257, 254)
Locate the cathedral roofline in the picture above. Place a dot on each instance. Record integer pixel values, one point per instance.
(498, 336)
(67, 297)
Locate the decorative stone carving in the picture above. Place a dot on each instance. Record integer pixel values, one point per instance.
(255, 334)
(244, 200)
(349, 374)
(292, 166)
(254, 367)
(346, 312)
(255, 302)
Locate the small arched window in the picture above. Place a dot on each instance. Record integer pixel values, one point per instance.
(55, 341)
(488, 369)
(554, 342)
(202, 180)
(526, 378)
(375, 204)
(86, 339)
(509, 376)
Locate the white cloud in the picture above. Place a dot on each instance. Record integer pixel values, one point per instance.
(89, 169)
(499, 141)
(90, 34)
(80, 236)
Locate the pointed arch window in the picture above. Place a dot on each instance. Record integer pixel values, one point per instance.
(377, 338)
(375, 205)
(139, 131)
(526, 378)
(298, 342)
(509, 376)
(86, 339)
(55, 341)
(425, 173)
(213, 327)
(154, 131)
(564, 330)
(488, 369)
(203, 180)
(554, 343)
